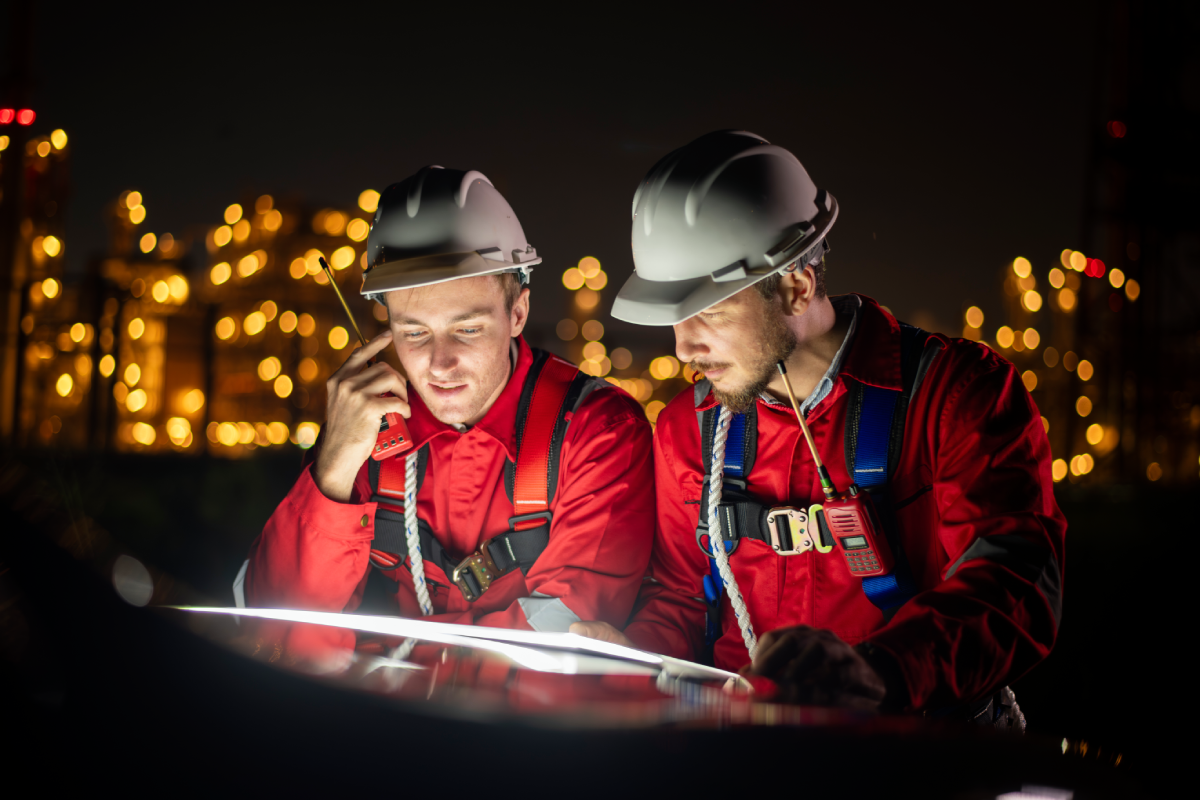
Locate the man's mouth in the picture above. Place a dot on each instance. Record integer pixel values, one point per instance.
(446, 389)
(711, 371)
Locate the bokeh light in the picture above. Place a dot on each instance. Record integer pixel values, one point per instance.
(1066, 300)
(287, 321)
(1132, 289)
(664, 368)
(269, 368)
(1032, 301)
(50, 288)
(587, 299)
(64, 385)
(338, 337)
(1058, 470)
(132, 374)
(1095, 433)
(573, 279)
(283, 386)
(974, 317)
(621, 358)
(107, 365)
(1022, 267)
(368, 200)
(306, 325)
(1116, 277)
(136, 400)
(1085, 370)
(593, 330)
(233, 213)
(1083, 406)
(136, 328)
(567, 329)
(1031, 338)
(1029, 378)
(225, 328)
(1004, 336)
(254, 323)
(220, 273)
(1057, 278)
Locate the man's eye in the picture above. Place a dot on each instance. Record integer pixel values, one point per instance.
(413, 334)
(470, 331)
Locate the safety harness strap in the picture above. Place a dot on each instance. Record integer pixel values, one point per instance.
(875, 423)
(553, 390)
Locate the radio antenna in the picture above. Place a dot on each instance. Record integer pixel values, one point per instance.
(329, 274)
(822, 473)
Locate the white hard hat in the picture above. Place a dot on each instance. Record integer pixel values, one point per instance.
(440, 225)
(714, 217)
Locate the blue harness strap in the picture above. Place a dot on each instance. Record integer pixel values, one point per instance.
(872, 442)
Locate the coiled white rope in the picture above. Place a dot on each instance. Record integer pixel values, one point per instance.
(412, 533)
(717, 542)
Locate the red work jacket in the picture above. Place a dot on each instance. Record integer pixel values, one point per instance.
(976, 514)
(314, 552)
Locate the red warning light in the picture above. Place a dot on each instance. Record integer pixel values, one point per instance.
(7, 115)
(1116, 129)
(26, 116)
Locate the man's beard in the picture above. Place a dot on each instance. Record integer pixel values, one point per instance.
(776, 342)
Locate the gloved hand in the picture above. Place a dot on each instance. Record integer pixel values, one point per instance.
(815, 668)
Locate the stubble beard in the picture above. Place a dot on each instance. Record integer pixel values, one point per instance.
(776, 342)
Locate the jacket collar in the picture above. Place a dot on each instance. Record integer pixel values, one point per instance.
(500, 421)
(874, 354)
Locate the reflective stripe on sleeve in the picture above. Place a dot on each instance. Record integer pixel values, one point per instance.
(547, 614)
(1031, 561)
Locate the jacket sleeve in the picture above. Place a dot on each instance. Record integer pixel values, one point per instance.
(601, 534)
(996, 612)
(313, 554)
(670, 614)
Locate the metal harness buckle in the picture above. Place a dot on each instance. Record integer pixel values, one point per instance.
(478, 569)
(789, 530)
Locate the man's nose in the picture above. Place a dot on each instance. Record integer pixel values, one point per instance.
(443, 360)
(689, 343)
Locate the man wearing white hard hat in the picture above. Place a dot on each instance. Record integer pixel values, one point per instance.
(523, 497)
(920, 566)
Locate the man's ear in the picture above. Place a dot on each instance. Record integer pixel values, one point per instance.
(520, 312)
(798, 290)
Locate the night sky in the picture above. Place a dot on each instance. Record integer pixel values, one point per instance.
(953, 142)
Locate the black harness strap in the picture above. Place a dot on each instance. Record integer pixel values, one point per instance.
(510, 550)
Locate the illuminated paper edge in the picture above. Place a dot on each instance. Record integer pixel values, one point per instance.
(513, 644)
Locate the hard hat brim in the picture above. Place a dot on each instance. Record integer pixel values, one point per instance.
(411, 273)
(645, 302)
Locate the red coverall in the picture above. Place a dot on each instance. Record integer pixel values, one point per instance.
(973, 479)
(314, 552)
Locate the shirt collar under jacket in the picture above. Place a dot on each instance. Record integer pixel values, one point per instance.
(843, 305)
(877, 364)
(500, 421)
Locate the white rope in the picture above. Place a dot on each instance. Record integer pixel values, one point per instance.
(717, 542)
(413, 534)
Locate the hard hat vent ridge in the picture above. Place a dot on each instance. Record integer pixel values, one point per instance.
(439, 225)
(714, 217)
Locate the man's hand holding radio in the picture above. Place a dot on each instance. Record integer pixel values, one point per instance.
(353, 409)
(814, 667)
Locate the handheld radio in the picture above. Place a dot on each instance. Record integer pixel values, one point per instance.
(394, 438)
(851, 516)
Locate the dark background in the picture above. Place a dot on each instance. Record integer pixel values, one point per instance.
(953, 139)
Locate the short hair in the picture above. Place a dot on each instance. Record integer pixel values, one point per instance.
(510, 286)
(768, 286)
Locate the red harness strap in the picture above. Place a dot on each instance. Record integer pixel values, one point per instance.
(531, 479)
(391, 485)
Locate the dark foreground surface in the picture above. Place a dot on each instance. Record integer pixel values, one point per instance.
(111, 695)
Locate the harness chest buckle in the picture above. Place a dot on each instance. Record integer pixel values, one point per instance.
(475, 573)
(790, 535)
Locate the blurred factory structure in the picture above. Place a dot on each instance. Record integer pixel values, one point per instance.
(219, 341)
